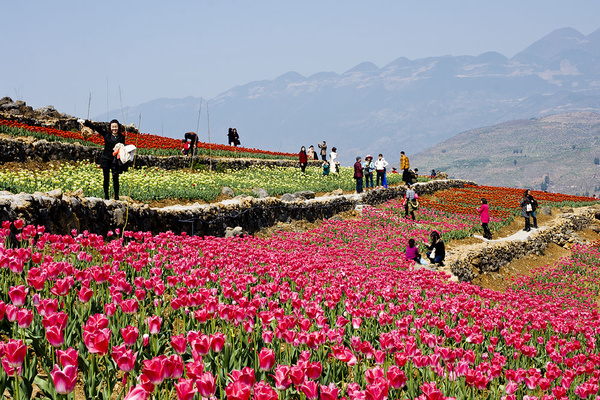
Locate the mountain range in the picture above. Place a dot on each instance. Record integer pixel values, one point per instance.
(407, 105)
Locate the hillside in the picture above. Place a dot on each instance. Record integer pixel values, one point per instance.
(555, 153)
(404, 105)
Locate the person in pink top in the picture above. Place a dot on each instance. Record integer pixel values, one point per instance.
(484, 214)
(412, 252)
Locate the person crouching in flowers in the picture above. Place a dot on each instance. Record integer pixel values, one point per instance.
(112, 136)
(412, 252)
(437, 250)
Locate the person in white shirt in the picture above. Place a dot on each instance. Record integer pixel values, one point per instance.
(333, 160)
(380, 165)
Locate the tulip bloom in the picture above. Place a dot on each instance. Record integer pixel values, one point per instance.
(153, 369)
(179, 343)
(154, 323)
(55, 336)
(310, 390)
(130, 335)
(330, 392)
(206, 385)
(18, 295)
(217, 341)
(137, 393)
(282, 377)
(67, 357)
(97, 341)
(266, 359)
(396, 377)
(237, 391)
(65, 379)
(14, 353)
(24, 318)
(185, 389)
(262, 391)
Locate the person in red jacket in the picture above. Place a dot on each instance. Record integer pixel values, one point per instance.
(358, 175)
(302, 157)
(484, 215)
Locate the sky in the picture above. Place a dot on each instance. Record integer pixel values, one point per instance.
(130, 52)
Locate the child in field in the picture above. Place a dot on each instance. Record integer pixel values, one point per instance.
(325, 168)
(412, 252)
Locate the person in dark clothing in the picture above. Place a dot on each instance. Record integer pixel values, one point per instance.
(108, 162)
(526, 209)
(193, 138)
(534, 206)
(358, 175)
(230, 138)
(303, 158)
(437, 250)
(323, 147)
(236, 138)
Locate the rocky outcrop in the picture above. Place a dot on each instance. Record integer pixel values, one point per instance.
(495, 256)
(60, 213)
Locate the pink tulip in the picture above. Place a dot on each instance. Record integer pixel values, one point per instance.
(55, 336)
(10, 370)
(396, 377)
(173, 367)
(217, 342)
(185, 389)
(179, 343)
(130, 335)
(262, 391)
(153, 370)
(194, 369)
(55, 319)
(154, 323)
(266, 359)
(15, 352)
(24, 318)
(246, 376)
(282, 377)
(65, 379)
(206, 385)
(330, 392)
(18, 295)
(310, 390)
(297, 374)
(237, 391)
(12, 312)
(97, 341)
(68, 357)
(110, 309)
(124, 358)
(47, 307)
(85, 294)
(137, 392)
(314, 370)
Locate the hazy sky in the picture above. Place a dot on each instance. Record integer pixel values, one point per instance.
(57, 52)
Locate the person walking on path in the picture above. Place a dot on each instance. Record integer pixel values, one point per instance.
(380, 165)
(369, 167)
(526, 209)
(404, 166)
(193, 138)
(358, 175)
(302, 157)
(484, 215)
(534, 206)
(437, 250)
(323, 147)
(108, 160)
(411, 202)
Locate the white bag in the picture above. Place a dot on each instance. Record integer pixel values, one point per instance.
(432, 255)
(528, 208)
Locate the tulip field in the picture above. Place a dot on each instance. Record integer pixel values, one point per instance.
(145, 142)
(332, 313)
(147, 184)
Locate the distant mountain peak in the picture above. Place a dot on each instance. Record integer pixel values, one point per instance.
(555, 43)
(364, 67)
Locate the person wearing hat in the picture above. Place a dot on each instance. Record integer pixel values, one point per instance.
(358, 175)
(369, 167)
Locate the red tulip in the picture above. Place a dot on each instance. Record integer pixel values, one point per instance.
(47, 307)
(314, 370)
(217, 341)
(130, 335)
(68, 357)
(266, 359)
(396, 377)
(297, 374)
(129, 306)
(173, 367)
(237, 391)
(372, 375)
(201, 345)
(55, 336)
(12, 312)
(185, 389)
(65, 379)
(18, 295)
(2, 309)
(378, 390)
(206, 384)
(110, 309)
(96, 341)
(55, 319)
(85, 294)
(10, 370)
(124, 358)
(246, 376)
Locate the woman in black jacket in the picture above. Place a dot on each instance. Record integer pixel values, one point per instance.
(437, 250)
(108, 162)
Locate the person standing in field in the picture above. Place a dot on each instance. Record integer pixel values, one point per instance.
(333, 160)
(404, 166)
(411, 202)
(323, 147)
(302, 157)
(108, 162)
(193, 138)
(358, 175)
(369, 167)
(484, 215)
(380, 165)
(310, 153)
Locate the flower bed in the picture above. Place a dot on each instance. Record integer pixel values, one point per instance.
(332, 313)
(146, 143)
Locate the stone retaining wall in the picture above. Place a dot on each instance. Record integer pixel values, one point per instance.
(28, 149)
(60, 213)
(496, 256)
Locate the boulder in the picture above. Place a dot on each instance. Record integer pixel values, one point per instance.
(305, 195)
(56, 193)
(227, 191)
(232, 232)
(288, 197)
(546, 211)
(337, 192)
(260, 193)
